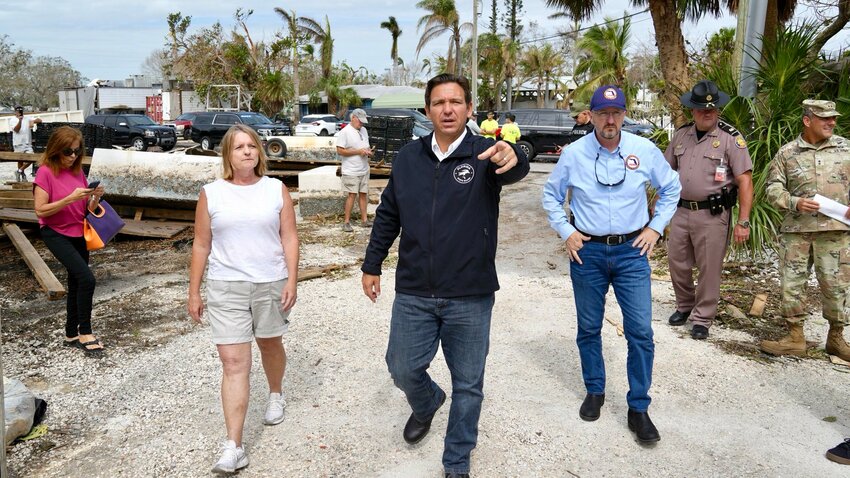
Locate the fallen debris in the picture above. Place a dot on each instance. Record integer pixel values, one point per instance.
(55, 290)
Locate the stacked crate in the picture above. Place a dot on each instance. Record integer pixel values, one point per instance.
(387, 134)
(94, 136)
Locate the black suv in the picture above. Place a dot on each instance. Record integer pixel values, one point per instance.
(137, 131)
(543, 131)
(208, 128)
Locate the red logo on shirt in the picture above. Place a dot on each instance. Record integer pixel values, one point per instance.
(632, 162)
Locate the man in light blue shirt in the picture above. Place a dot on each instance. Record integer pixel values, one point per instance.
(609, 240)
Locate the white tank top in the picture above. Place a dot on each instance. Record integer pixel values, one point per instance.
(245, 222)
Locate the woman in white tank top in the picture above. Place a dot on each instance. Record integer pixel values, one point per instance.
(245, 228)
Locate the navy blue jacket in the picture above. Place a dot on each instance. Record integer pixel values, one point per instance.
(448, 215)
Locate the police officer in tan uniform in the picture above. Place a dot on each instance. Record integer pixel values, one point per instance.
(713, 164)
(817, 162)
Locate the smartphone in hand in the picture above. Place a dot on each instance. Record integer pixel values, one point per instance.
(94, 184)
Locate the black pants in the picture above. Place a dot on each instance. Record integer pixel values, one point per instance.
(72, 253)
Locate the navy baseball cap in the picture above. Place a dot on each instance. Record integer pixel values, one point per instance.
(608, 96)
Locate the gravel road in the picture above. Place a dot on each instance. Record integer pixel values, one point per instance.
(155, 412)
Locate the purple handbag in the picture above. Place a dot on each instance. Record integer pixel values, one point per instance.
(100, 226)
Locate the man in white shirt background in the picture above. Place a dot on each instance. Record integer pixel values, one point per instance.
(21, 127)
(352, 144)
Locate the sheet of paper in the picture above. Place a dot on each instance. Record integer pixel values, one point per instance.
(833, 209)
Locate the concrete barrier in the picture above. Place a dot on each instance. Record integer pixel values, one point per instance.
(154, 179)
(319, 192)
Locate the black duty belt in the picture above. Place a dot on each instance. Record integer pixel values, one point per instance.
(694, 205)
(615, 239)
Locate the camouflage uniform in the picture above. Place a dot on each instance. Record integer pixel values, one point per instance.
(801, 170)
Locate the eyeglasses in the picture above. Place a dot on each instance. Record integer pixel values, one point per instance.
(596, 171)
(616, 114)
(70, 151)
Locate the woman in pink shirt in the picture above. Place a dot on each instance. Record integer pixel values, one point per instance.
(61, 195)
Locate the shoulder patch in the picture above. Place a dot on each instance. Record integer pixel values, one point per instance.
(728, 128)
(740, 143)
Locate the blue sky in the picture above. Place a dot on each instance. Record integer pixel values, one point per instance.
(111, 39)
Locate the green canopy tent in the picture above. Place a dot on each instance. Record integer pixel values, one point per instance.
(400, 100)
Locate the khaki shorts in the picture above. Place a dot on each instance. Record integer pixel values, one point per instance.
(238, 311)
(355, 184)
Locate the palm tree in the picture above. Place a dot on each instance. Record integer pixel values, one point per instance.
(443, 18)
(392, 26)
(541, 63)
(299, 31)
(326, 49)
(604, 56)
(274, 89)
(492, 69)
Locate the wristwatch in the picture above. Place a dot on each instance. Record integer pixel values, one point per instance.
(744, 223)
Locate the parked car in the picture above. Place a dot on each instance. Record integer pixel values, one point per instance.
(136, 131)
(208, 128)
(639, 129)
(183, 125)
(317, 125)
(543, 131)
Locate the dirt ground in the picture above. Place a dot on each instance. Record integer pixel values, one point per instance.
(150, 407)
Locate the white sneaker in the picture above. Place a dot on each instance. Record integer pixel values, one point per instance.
(232, 458)
(275, 409)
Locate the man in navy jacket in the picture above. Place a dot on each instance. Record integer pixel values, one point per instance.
(443, 197)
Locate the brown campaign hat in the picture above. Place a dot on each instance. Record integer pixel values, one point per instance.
(821, 108)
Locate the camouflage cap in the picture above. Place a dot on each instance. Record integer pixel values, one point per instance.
(821, 108)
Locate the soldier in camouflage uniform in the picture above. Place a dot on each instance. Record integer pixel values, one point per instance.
(817, 162)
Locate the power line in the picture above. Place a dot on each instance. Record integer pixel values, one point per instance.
(533, 40)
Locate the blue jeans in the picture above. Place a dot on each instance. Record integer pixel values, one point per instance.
(628, 271)
(462, 324)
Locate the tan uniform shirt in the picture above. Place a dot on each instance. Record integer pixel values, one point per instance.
(801, 170)
(697, 160)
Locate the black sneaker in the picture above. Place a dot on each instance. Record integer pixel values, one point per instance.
(841, 453)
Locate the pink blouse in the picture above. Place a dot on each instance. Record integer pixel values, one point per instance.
(69, 220)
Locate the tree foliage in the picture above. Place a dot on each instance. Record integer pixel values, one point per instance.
(33, 80)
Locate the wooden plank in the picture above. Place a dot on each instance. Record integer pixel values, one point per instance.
(277, 173)
(17, 203)
(157, 213)
(144, 228)
(9, 156)
(39, 268)
(15, 194)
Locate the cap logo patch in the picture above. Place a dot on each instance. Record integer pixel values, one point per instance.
(610, 94)
(464, 173)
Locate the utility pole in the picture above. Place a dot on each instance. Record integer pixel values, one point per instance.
(475, 56)
(756, 12)
(740, 34)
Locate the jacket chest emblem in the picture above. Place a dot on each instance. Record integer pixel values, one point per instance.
(464, 173)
